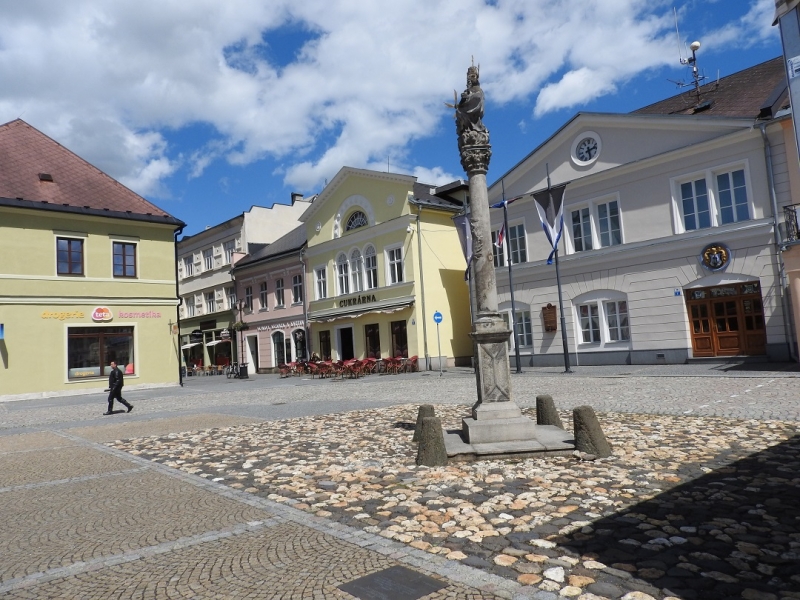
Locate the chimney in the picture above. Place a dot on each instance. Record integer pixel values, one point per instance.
(296, 197)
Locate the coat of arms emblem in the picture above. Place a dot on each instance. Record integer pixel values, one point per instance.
(715, 257)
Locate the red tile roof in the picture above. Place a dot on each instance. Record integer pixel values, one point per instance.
(27, 156)
(741, 94)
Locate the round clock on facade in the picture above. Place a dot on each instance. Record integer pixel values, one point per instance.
(586, 148)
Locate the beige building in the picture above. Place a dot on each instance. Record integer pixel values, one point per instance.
(83, 275)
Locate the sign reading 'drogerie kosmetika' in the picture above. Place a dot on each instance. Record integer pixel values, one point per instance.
(357, 300)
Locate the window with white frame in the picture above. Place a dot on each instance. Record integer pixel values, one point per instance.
(279, 292)
(248, 298)
(356, 270)
(602, 318)
(589, 319)
(581, 229)
(497, 251)
(188, 304)
(210, 304)
(356, 220)
(321, 276)
(230, 294)
(517, 244)
(208, 259)
(228, 248)
(188, 266)
(609, 224)
(694, 205)
(343, 274)
(262, 295)
(394, 257)
(617, 320)
(297, 289)
(732, 191)
(371, 267)
(524, 330)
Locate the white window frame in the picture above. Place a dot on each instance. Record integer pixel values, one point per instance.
(188, 266)
(370, 272)
(342, 266)
(230, 296)
(507, 245)
(208, 259)
(356, 271)
(390, 262)
(279, 293)
(297, 289)
(498, 252)
(601, 300)
(228, 248)
(188, 304)
(248, 298)
(607, 202)
(263, 295)
(211, 304)
(618, 332)
(595, 235)
(710, 176)
(321, 282)
(587, 235)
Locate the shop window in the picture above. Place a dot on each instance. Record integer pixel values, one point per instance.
(343, 274)
(394, 257)
(69, 256)
(372, 336)
(297, 289)
(124, 259)
(299, 337)
(279, 292)
(399, 339)
(356, 269)
(371, 268)
(322, 282)
(278, 348)
(325, 345)
(262, 295)
(90, 350)
(517, 244)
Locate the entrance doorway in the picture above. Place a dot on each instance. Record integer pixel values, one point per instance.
(252, 352)
(346, 346)
(727, 320)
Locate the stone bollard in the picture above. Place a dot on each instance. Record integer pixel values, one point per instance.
(426, 410)
(589, 437)
(431, 451)
(546, 413)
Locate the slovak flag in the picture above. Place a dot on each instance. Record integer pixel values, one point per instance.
(550, 206)
(501, 235)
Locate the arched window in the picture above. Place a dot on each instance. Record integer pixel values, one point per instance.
(278, 349)
(343, 272)
(356, 220)
(371, 267)
(356, 268)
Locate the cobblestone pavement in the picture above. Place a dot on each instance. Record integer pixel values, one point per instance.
(265, 489)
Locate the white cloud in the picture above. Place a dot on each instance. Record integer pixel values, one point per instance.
(113, 79)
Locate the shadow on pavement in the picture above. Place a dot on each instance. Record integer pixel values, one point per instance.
(736, 528)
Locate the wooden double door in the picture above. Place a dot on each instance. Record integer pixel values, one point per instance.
(727, 320)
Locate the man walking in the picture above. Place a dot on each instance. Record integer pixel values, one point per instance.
(115, 382)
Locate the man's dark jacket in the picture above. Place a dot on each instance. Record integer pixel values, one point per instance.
(115, 379)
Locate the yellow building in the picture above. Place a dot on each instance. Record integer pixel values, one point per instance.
(383, 257)
(83, 275)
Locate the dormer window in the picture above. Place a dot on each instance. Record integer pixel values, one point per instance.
(356, 220)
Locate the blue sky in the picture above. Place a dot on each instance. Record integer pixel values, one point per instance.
(210, 106)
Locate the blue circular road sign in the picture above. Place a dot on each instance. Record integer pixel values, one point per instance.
(437, 317)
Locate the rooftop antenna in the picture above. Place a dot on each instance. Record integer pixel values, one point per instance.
(690, 61)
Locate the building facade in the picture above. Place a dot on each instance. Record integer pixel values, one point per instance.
(271, 282)
(670, 249)
(210, 304)
(84, 278)
(382, 257)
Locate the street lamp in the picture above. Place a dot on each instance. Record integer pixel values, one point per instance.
(242, 365)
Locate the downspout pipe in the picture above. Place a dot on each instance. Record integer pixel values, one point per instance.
(305, 305)
(176, 233)
(422, 292)
(787, 311)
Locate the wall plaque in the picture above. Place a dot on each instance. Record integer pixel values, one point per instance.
(550, 318)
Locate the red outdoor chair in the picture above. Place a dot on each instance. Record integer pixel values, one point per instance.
(412, 366)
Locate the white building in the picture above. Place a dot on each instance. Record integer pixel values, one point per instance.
(208, 294)
(669, 250)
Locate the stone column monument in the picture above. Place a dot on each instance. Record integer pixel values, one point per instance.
(495, 416)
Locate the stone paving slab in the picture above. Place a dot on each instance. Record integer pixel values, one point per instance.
(33, 441)
(287, 561)
(25, 467)
(705, 506)
(51, 527)
(125, 428)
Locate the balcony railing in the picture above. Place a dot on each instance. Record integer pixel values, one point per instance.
(790, 217)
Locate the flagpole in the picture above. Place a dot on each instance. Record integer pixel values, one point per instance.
(558, 285)
(511, 280)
